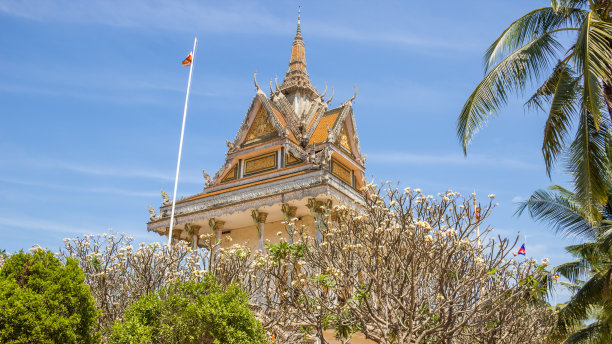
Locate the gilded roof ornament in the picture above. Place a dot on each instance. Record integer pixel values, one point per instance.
(354, 95)
(255, 81)
(330, 98)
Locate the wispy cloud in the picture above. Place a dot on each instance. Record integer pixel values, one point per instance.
(403, 158)
(46, 225)
(70, 230)
(105, 171)
(223, 17)
(110, 86)
(98, 189)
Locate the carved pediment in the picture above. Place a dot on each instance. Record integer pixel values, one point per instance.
(260, 127)
(343, 140)
(291, 159)
(232, 174)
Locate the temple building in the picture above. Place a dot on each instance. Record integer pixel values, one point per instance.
(291, 155)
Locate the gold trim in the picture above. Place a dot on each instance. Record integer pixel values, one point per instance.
(342, 172)
(231, 175)
(343, 140)
(260, 164)
(290, 160)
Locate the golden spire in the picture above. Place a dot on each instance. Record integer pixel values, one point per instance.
(298, 51)
(296, 80)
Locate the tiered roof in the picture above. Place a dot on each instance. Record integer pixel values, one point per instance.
(290, 136)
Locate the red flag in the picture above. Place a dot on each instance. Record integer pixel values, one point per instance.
(187, 61)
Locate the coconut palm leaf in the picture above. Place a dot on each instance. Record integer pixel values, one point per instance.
(589, 252)
(573, 270)
(530, 26)
(560, 211)
(589, 164)
(512, 73)
(595, 333)
(577, 309)
(592, 57)
(559, 93)
(560, 4)
(606, 236)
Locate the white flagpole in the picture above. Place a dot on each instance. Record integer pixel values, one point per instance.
(178, 164)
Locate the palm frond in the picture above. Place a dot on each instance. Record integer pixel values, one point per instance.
(561, 4)
(595, 333)
(560, 91)
(577, 309)
(512, 73)
(559, 211)
(589, 165)
(573, 270)
(530, 26)
(605, 238)
(589, 252)
(592, 57)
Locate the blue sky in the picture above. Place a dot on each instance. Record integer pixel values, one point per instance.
(91, 99)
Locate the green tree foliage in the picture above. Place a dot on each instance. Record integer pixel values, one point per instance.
(43, 300)
(575, 91)
(587, 317)
(190, 312)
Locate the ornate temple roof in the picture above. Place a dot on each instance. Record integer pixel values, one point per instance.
(289, 143)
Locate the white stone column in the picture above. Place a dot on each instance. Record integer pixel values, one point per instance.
(289, 212)
(317, 209)
(216, 228)
(193, 231)
(259, 218)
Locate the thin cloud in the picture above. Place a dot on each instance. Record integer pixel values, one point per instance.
(240, 18)
(46, 225)
(402, 158)
(103, 189)
(105, 171)
(70, 229)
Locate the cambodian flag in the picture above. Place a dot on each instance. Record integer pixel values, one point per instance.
(522, 250)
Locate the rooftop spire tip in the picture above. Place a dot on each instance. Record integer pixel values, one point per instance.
(299, 29)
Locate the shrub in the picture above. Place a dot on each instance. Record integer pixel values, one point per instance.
(190, 312)
(43, 300)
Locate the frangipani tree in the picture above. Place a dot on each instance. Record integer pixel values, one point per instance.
(410, 268)
(405, 268)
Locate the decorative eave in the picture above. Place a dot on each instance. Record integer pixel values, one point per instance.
(310, 183)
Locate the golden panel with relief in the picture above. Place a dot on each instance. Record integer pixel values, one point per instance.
(260, 127)
(343, 139)
(231, 175)
(260, 164)
(291, 160)
(342, 172)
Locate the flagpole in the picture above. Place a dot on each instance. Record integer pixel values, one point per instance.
(478, 219)
(178, 163)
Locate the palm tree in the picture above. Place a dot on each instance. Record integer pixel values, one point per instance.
(589, 274)
(575, 87)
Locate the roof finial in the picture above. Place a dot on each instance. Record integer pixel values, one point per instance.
(299, 28)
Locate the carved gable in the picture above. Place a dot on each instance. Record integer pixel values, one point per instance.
(343, 139)
(260, 127)
(231, 175)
